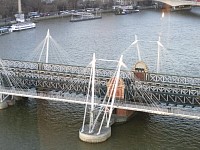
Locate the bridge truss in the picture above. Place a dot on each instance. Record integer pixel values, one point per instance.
(168, 90)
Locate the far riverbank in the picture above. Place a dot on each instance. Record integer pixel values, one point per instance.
(9, 23)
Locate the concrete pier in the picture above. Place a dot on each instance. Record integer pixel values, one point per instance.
(122, 116)
(3, 105)
(94, 137)
(10, 102)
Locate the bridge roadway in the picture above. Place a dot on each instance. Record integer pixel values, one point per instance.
(168, 89)
(175, 3)
(161, 109)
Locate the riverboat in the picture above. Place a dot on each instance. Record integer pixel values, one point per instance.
(22, 26)
(183, 7)
(4, 30)
(84, 16)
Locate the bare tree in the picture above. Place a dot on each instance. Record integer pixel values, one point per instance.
(8, 7)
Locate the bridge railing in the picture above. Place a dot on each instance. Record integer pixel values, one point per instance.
(164, 78)
(59, 68)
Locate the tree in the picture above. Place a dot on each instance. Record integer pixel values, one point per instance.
(72, 4)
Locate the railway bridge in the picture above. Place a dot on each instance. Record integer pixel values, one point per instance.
(108, 95)
(112, 93)
(180, 4)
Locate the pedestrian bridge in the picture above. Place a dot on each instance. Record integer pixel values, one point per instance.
(108, 95)
(175, 3)
(149, 92)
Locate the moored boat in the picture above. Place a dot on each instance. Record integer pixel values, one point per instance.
(4, 30)
(84, 16)
(22, 26)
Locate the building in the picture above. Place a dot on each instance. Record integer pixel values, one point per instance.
(123, 2)
(132, 2)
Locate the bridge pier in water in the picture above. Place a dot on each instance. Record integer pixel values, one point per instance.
(3, 103)
(6, 101)
(99, 132)
(11, 101)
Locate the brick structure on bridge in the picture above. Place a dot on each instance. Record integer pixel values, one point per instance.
(140, 70)
(122, 115)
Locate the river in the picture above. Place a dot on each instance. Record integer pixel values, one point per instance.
(44, 125)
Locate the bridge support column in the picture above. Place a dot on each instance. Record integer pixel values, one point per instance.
(123, 115)
(3, 103)
(95, 131)
(94, 137)
(10, 101)
(120, 115)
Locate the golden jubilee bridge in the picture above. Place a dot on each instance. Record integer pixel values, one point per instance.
(108, 95)
(179, 4)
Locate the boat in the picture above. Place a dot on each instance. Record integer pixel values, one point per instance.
(83, 16)
(22, 26)
(182, 7)
(136, 10)
(120, 11)
(4, 30)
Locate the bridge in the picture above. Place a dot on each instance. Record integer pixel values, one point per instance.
(109, 95)
(180, 4)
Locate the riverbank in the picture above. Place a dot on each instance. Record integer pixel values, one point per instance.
(9, 23)
(64, 15)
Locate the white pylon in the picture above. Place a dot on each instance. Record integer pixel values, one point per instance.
(46, 43)
(47, 52)
(158, 57)
(138, 50)
(92, 98)
(115, 90)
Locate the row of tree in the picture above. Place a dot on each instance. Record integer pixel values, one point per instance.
(10, 7)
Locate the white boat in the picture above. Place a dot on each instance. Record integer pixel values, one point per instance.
(82, 16)
(4, 30)
(22, 26)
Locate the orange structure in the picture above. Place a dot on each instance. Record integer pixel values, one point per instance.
(120, 88)
(121, 114)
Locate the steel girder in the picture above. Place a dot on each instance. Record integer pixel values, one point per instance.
(178, 80)
(170, 93)
(75, 78)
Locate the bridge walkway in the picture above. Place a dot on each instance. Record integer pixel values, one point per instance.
(161, 109)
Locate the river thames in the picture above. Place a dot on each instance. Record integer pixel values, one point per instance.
(45, 125)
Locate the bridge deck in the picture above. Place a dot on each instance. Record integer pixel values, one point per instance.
(180, 2)
(79, 99)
